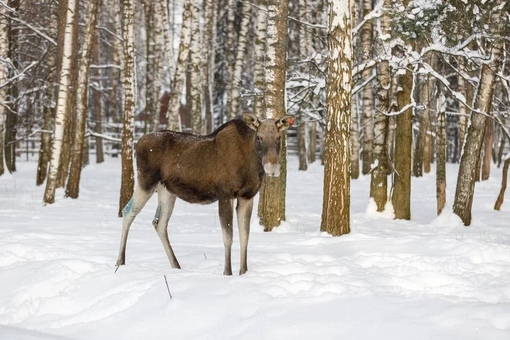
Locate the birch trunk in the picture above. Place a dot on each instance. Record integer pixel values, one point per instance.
(209, 61)
(379, 177)
(174, 103)
(128, 81)
(196, 47)
(474, 138)
(73, 183)
(271, 208)
(441, 154)
(259, 50)
(242, 44)
(354, 138)
(231, 48)
(367, 92)
(336, 203)
(62, 100)
(488, 145)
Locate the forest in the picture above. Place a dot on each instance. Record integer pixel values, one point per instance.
(383, 88)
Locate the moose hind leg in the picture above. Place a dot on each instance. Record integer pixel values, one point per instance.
(132, 208)
(244, 210)
(225, 207)
(166, 203)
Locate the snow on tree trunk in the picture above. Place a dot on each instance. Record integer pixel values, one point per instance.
(174, 104)
(61, 109)
(474, 138)
(271, 208)
(336, 203)
(379, 178)
(367, 94)
(242, 43)
(259, 50)
(73, 183)
(441, 154)
(128, 81)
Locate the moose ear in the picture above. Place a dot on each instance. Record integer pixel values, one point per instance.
(284, 123)
(251, 120)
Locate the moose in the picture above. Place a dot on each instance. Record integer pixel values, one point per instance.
(227, 165)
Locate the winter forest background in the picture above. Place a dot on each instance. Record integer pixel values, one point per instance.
(428, 81)
(386, 93)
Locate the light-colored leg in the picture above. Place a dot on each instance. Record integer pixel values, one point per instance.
(166, 203)
(226, 211)
(244, 209)
(132, 208)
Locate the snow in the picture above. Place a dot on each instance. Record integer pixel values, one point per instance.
(428, 278)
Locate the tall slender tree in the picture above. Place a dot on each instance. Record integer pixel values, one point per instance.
(128, 80)
(272, 196)
(78, 148)
(336, 202)
(61, 110)
(4, 75)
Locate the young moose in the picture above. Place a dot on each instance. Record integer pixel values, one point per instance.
(226, 165)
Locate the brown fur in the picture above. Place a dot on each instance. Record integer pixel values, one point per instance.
(226, 165)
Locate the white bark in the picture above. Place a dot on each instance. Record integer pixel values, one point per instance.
(260, 57)
(60, 115)
(235, 97)
(4, 75)
(196, 68)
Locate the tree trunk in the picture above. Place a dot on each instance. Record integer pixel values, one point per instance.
(312, 147)
(209, 61)
(354, 138)
(96, 99)
(127, 176)
(65, 153)
(335, 218)
(242, 43)
(504, 180)
(62, 100)
(196, 50)
(367, 122)
(487, 150)
(474, 139)
(73, 183)
(174, 104)
(259, 50)
(401, 198)
(271, 208)
(301, 143)
(441, 154)
(379, 173)
(12, 114)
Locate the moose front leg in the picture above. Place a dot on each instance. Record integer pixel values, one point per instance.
(225, 208)
(244, 209)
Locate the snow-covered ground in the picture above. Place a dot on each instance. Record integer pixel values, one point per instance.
(428, 278)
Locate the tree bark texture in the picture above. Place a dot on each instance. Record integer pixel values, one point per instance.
(474, 139)
(401, 198)
(78, 147)
(271, 208)
(62, 100)
(441, 154)
(127, 173)
(335, 218)
(367, 122)
(4, 75)
(504, 180)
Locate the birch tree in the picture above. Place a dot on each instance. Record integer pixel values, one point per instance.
(128, 81)
(209, 61)
(474, 139)
(78, 148)
(195, 66)
(367, 123)
(242, 44)
(335, 218)
(62, 100)
(271, 208)
(441, 154)
(378, 175)
(259, 51)
(174, 104)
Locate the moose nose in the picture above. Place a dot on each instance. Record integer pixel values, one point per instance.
(272, 169)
